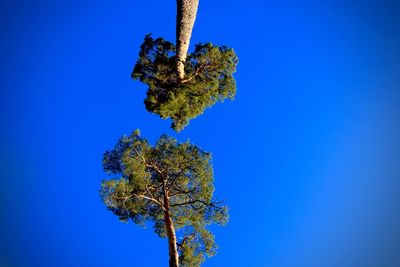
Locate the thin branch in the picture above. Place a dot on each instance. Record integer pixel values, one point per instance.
(186, 238)
(202, 68)
(151, 195)
(176, 178)
(181, 192)
(151, 199)
(150, 165)
(140, 155)
(125, 198)
(212, 204)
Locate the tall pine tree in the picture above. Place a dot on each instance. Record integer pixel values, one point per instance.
(169, 186)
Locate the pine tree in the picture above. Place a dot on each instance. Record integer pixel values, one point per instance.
(209, 79)
(169, 186)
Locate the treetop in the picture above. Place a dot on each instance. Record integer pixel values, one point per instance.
(209, 78)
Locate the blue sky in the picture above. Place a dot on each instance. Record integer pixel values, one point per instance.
(307, 156)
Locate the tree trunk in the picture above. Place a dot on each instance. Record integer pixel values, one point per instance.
(173, 251)
(185, 17)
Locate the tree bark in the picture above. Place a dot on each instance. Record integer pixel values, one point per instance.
(185, 17)
(172, 247)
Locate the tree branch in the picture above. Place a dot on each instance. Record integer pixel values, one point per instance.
(187, 238)
(202, 68)
(212, 204)
(181, 192)
(176, 178)
(125, 198)
(150, 165)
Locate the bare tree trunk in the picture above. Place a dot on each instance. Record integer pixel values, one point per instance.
(173, 251)
(185, 17)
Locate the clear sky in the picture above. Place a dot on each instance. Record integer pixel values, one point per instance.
(307, 156)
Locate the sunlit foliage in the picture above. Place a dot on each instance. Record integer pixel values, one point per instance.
(209, 79)
(145, 176)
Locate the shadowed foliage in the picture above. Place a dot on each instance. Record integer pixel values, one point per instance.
(208, 79)
(169, 186)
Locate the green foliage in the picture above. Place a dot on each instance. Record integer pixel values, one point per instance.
(208, 79)
(196, 243)
(145, 174)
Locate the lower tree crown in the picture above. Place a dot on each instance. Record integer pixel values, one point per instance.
(146, 176)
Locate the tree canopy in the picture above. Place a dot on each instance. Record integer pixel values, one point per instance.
(208, 79)
(169, 180)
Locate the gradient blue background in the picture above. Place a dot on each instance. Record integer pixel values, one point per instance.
(307, 156)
